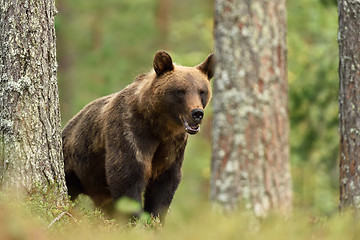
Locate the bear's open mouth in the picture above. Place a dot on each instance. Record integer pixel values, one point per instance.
(191, 129)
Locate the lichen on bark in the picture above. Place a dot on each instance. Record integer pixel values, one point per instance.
(30, 138)
(250, 160)
(349, 103)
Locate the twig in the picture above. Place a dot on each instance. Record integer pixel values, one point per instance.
(59, 217)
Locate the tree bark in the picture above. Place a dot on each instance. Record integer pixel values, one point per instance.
(30, 137)
(163, 14)
(65, 57)
(349, 103)
(250, 159)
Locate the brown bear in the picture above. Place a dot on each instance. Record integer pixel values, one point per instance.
(131, 143)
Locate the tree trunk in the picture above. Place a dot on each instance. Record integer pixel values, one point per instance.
(30, 138)
(163, 14)
(250, 159)
(349, 103)
(65, 57)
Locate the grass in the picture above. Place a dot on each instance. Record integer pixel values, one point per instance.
(191, 216)
(34, 218)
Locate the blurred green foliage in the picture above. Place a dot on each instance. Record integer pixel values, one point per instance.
(313, 90)
(103, 45)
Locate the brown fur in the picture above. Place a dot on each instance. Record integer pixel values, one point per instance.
(133, 141)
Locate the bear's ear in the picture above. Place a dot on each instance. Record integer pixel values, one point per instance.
(162, 63)
(208, 66)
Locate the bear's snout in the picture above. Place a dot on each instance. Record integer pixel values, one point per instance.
(197, 114)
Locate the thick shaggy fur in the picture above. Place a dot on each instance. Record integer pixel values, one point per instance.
(132, 143)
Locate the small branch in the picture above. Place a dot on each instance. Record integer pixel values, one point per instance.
(59, 217)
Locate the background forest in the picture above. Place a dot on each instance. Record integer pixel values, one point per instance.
(103, 45)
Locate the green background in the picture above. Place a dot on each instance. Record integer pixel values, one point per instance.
(103, 45)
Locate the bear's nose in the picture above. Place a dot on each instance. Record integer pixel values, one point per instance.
(197, 114)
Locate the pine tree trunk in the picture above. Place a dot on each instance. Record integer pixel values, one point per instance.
(349, 103)
(250, 159)
(30, 138)
(163, 14)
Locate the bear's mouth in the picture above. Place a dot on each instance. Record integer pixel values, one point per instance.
(190, 128)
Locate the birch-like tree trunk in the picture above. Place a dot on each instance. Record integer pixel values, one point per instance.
(250, 159)
(349, 103)
(30, 138)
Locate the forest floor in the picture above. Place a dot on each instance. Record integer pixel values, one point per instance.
(34, 218)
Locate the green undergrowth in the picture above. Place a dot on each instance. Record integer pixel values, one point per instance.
(34, 218)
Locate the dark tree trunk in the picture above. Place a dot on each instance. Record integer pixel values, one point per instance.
(250, 160)
(30, 138)
(349, 103)
(65, 57)
(163, 13)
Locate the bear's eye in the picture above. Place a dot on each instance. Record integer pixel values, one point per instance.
(180, 92)
(202, 92)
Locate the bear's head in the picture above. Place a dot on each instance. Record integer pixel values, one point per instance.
(182, 93)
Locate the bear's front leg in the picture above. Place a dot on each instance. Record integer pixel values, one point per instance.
(125, 178)
(160, 191)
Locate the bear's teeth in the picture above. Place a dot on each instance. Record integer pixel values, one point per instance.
(191, 129)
